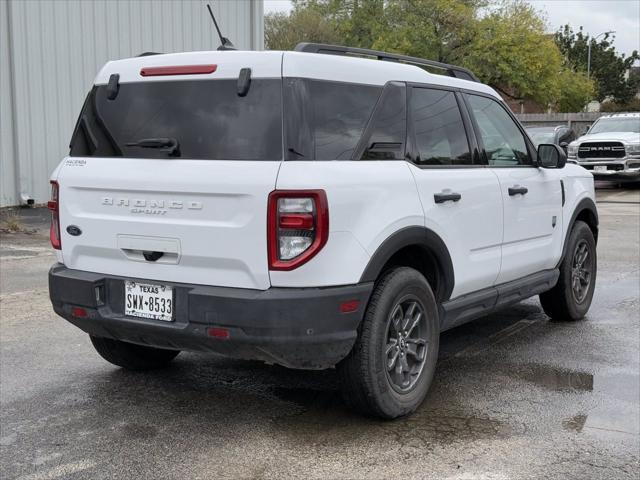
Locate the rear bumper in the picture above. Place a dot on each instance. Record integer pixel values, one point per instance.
(294, 327)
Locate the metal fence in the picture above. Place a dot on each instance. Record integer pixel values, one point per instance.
(51, 50)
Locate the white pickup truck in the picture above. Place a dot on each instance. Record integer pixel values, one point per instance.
(611, 148)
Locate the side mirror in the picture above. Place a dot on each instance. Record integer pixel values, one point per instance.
(586, 129)
(564, 146)
(551, 156)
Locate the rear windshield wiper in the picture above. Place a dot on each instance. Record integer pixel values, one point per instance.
(170, 144)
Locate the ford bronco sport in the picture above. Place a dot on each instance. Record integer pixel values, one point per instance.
(309, 208)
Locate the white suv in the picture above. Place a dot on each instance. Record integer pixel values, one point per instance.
(611, 148)
(309, 210)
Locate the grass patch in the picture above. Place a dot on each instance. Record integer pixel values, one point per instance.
(11, 221)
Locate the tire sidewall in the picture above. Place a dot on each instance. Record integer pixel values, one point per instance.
(580, 231)
(403, 282)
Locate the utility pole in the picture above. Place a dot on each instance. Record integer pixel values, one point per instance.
(591, 40)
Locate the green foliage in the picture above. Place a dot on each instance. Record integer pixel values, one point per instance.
(576, 90)
(506, 45)
(283, 32)
(607, 67)
(512, 53)
(437, 29)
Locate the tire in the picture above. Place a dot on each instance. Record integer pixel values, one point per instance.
(132, 356)
(562, 302)
(367, 385)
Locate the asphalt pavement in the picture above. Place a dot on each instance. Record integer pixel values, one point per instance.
(515, 395)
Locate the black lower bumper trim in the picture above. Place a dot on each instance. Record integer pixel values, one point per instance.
(294, 327)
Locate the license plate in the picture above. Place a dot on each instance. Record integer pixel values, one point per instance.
(600, 168)
(148, 301)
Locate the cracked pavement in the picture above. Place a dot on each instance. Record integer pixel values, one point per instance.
(515, 396)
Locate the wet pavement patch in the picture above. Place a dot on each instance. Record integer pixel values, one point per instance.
(134, 430)
(575, 423)
(556, 379)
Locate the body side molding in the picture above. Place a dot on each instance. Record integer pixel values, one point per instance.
(477, 304)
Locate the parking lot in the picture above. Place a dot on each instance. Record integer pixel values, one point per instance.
(515, 395)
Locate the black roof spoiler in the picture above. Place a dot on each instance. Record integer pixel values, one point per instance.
(451, 70)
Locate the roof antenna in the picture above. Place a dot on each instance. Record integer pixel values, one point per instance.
(225, 43)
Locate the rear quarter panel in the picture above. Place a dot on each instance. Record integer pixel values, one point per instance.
(368, 201)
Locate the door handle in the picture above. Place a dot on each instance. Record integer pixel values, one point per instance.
(446, 196)
(518, 190)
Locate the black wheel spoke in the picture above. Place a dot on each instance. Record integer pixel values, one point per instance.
(414, 323)
(393, 360)
(406, 347)
(396, 318)
(581, 271)
(415, 351)
(393, 343)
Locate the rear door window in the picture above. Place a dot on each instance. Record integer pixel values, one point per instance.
(440, 136)
(207, 119)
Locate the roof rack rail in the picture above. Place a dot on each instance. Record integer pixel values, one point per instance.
(451, 70)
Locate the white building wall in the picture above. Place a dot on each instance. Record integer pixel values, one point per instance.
(50, 51)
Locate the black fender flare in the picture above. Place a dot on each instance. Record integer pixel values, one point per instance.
(586, 204)
(421, 237)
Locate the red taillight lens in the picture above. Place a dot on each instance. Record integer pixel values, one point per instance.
(178, 70)
(297, 227)
(79, 312)
(54, 206)
(217, 332)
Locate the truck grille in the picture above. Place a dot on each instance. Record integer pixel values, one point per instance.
(601, 150)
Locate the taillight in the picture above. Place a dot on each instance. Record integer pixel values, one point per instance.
(297, 227)
(54, 206)
(178, 70)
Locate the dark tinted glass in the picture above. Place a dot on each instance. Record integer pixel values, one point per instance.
(206, 117)
(502, 139)
(337, 117)
(389, 125)
(440, 135)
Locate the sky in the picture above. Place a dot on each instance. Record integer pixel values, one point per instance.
(596, 16)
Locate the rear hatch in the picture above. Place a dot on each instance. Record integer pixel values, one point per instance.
(170, 170)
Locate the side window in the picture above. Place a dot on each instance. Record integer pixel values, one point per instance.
(503, 142)
(440, 135)
(388, 129)
(340, 112)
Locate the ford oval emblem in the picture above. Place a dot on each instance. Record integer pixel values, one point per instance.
(73, 230)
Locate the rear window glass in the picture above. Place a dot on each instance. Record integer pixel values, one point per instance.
(206, 118)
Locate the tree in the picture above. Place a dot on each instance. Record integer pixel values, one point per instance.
(512, 53)
(437, 29)
(607, 67)
(283, 32)
(575, 91)
(506, 46)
